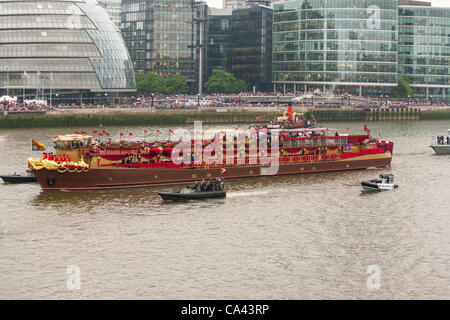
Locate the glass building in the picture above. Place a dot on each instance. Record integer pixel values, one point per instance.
(424, 50)
(346, 46)
(61, 46)
(113, 8)
(163, 36)
(219, 43)
(251, 46)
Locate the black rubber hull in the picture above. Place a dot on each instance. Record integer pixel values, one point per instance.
(18, 179)
(174, 196)
(373, 186)
(370, 186)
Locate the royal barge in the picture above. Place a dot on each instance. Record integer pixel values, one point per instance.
(85, 162)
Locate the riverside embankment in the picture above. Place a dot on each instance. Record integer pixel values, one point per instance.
(124, 117)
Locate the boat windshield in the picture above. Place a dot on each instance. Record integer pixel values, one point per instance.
(72, 141)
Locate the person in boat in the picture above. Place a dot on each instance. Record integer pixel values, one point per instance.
(203, 186)
(220, 185)
(210, 185)
(196, 186)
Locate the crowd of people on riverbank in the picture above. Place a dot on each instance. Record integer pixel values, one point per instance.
(192, 102)
(24, 107)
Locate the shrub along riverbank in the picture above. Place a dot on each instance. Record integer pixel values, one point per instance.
(123, 119)
(160, 118)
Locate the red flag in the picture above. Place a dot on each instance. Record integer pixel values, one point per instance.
(107, 133)
(145, 130)
(104, 131)
(130, 134)
(100, 134)
(258, 119)
(158, 131)
(95, 131)
(121, 134)
(77, 132)
(83, 132)
(171, 131)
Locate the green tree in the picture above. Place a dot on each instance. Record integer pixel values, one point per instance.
(403, 89)
(176, 84)
(224, 82)
(149, 83)
(154, 83)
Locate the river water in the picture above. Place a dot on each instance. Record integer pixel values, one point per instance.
(296, 237)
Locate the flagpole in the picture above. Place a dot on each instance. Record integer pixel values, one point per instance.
(24, 81)
(37, 85)
(51, 77)
(7, 80)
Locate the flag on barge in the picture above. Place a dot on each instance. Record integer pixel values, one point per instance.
(36, 146)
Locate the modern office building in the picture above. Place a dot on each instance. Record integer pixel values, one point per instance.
(55, 46)
(341, 46)
(164, 36)
(251, 46)
(234, 4)
(219, 40)
(424, 49)
(113, 8)
(241, 4)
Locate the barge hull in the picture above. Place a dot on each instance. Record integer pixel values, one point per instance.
(102, 178)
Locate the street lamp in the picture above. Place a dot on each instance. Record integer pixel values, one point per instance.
(152, 98)
(198, 100)
(387, 100)
(431, 97)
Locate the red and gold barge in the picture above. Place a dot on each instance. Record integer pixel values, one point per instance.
(96, 166)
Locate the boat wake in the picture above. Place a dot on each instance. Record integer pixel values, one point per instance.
(246, 193)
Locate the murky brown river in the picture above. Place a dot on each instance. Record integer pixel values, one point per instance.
(296, 237)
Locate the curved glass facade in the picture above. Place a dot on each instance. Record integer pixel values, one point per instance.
(424, 50)
(348, 43)
(61, 44)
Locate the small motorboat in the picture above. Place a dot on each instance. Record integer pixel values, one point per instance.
(385, 182)
(203, 190)
(17, 178)
(441, 145)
